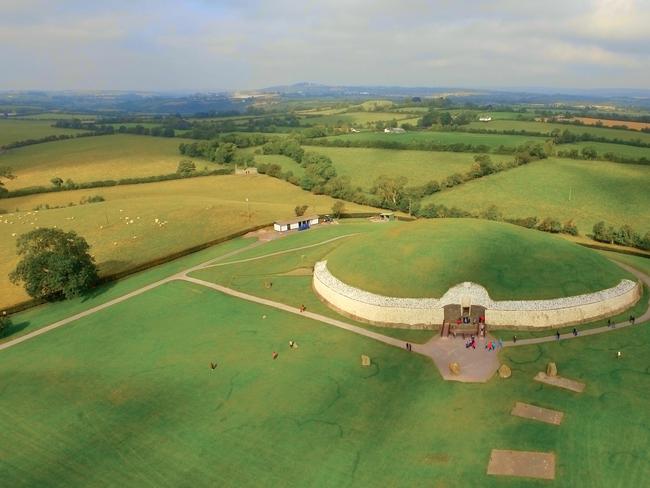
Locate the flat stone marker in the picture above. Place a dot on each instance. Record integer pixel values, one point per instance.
(365, 360)
(560, 382)
(528, 464)
(534, 412)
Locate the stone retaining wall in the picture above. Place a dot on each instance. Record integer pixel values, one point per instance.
(427, 312)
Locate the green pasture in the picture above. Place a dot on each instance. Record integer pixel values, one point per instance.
(364, 165)
(603, 148)
(353, 118)
(12, 130)
(491, 141)
(126, 397)
(286, 278)
(548, 127)
(196, 211)
(94, 158)
(583, 191)
(426, 258)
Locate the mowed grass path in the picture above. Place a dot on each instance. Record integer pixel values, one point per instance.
(426, 258)
(12, 130)
(94, 158)
(585, 191)
(352, 118)
(491, 141)
(364, 165)
(126, 397)
(196, 210)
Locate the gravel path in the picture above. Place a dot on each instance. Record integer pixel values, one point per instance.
(597, 330)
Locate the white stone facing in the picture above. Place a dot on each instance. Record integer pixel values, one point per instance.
(424, 312)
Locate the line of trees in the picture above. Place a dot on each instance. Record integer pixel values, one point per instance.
(624, 235)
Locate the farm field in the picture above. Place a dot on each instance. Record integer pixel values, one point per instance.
(12, 130)
(196, 210)
(353, 118)
(548, 127)
(94, 158)
(584, 191)
(612, 123)
(364, 165)
(157, 414)
(490, 141)
(604, 148)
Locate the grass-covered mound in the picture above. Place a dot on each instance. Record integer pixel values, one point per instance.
(426, 258)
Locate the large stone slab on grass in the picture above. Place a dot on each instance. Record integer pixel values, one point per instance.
(528, 464)
(533, 412)
(560, 382)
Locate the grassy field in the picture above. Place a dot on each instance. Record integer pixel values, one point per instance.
(94, 158)
(426, 258)
(364, 165)
(290, 273)
(547, 127)
(12, 130)
(491, 141)
(353, 118)
(148, 410)
(585, 191)
(196, 211)
(603, 148)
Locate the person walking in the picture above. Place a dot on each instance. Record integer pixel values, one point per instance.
(575, 332)
(514, 339)
(557, 334)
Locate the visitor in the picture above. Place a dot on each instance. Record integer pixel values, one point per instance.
(514, 339)
(618, 355)
(633, 319)
(557, 334)
(500, 342)
(575, 332)
(274, 355)
(302, 308)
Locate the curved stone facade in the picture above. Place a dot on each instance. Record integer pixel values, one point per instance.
(427, 312)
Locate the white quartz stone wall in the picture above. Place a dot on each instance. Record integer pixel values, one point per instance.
(425, 312)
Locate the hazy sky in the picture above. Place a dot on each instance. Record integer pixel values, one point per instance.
(215, 44)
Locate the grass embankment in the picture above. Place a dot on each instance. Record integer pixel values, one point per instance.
(585, 191)
(149, 410)
(196, 211)
(94, 158)
(426, 258)
(13, 130)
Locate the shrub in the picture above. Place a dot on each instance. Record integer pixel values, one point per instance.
(300, 210)
(550, 225)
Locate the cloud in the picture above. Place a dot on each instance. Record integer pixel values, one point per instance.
(210, 44)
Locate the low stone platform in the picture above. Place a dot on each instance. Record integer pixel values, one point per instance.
(528, 464)
(533, 412)
(560, 382)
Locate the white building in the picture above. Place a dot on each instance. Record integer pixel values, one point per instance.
(298, 223)
(394, 130)
(485, 118)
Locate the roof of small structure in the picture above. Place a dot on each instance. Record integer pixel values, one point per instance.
(295, 220)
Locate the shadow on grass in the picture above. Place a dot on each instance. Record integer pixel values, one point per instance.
(14, 329)
(97, 291)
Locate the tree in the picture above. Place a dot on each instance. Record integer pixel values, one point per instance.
(389, 189)
(56, 182)
(185, 167)
(603, 232)
(6, 173)
(5, 323)
(589, 153)
(300, 210)
(338, 208)
(54, 264)
(570, 228)
(550, 225)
